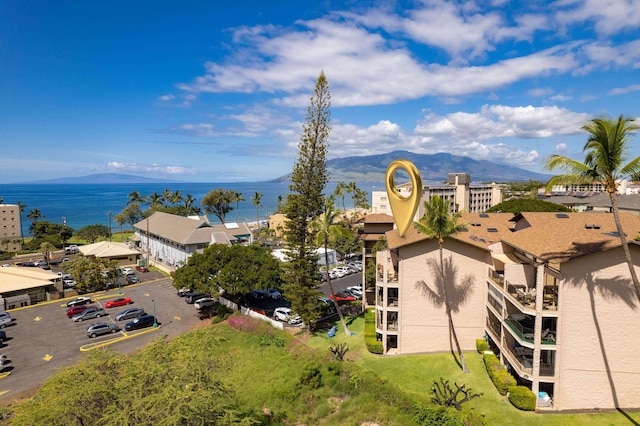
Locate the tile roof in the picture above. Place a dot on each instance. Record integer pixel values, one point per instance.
(545, 235)
(107, 249)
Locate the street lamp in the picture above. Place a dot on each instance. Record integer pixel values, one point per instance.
(155, 322)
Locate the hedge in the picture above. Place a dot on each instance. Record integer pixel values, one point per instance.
(500, 377)
(373, 345)
(482, 345)
(522, 398)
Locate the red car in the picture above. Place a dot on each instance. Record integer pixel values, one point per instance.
(75, 310)
(121, 301)
(341, 296)
(142, 268)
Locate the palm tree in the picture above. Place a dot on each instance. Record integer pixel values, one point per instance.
(166, 197)
(176, 197)
(47, 249)
(21, 207)
(34, 215)
(438, 223)
(120, 219)
(327, 231)
(154, 200)
(607, 148)
(135, 197)
(340, 191)
(236, 197)
(255, 200)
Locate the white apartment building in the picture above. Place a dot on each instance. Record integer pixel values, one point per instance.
(458, 192)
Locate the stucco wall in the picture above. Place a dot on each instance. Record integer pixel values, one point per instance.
(423, 322)
(598, 334)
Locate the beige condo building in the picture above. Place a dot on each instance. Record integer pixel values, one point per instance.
(10, 229)
(458, 192)
(550, 292)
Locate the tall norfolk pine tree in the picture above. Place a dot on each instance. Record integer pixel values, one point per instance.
(305, 202)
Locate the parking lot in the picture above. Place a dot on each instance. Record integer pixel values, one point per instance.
(43, 340)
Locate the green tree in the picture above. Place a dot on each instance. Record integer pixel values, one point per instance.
(120, 219)
(519, 205)
(154, 201)
(306, 201)
(340, 191)
(256, 199)
(217, 202)
(438, 223)
(88, 273)
(176, 197)
(132, 213)
(237, 269)
(136, 198)
(326, 229)
(21, 207)
(607, 149)
(236, 197)
(34, 215)
(92, 232)
(189, 208)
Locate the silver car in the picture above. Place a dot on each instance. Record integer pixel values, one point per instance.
(130, 313)
(100, 328)
(89, 314)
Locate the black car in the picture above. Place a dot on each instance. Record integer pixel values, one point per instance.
(132, 279)
(192, 297)
(142, 321)
(3, 337)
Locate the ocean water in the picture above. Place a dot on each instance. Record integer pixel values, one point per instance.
(89, 204)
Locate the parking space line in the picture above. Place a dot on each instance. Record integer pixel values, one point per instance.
(125, 336)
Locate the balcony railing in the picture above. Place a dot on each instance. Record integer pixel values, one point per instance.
(497, 277)
(392, 302)
(392, 325)
(524, 360)
(493, 326)
(526, 333)
(493, 302)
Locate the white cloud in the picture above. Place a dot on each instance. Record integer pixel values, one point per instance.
(561, 147)
(167, 98)
(608, 16)
(149, 168)
(624, 90)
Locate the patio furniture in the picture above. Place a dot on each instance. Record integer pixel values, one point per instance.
(544, 400)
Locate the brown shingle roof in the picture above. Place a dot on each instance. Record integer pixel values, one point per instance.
(545, 235)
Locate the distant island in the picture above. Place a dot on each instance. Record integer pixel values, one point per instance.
(102, 178)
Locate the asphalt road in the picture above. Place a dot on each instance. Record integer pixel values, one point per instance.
(43, 339)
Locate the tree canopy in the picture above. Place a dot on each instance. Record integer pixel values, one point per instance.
(519, 205)
(218, 202)
(237, 269)
(92, 233)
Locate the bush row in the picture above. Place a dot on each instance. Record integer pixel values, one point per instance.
(520, 396)
(500, 377)
(373, 345)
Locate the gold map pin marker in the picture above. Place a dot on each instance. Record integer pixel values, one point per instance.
(404, 208)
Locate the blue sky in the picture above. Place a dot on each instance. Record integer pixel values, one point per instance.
(208, 91)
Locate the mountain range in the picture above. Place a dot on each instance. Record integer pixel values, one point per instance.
(371, 168)
(432, 167)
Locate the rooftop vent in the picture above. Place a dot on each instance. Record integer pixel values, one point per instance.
(484, 215)
(476, 224)
(492, 229)
(562, 216)
(592, 226)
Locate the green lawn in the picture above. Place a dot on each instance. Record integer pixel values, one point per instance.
(416, 373)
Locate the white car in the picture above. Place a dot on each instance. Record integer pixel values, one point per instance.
(356, 290)
(127, 271)
(285, 314)
(204, 302)
(339, 272)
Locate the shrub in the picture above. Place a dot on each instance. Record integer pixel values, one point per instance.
(500, 377)
(373, 345)
(522, 398)
(482, 345)
(428, 415)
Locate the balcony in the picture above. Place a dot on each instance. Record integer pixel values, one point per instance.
(497, 277)
(523, 328)
(493, 325)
